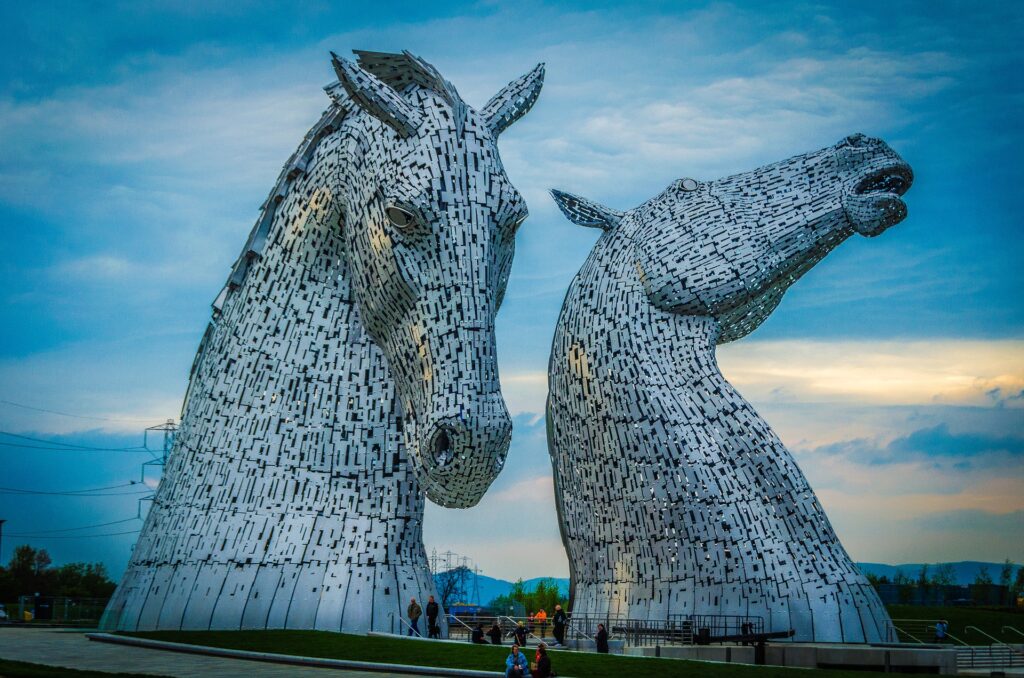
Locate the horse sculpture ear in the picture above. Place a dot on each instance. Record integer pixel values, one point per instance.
(376, 98)
(586, 212)
(513, 101)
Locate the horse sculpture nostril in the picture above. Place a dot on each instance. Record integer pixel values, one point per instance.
(441, 448)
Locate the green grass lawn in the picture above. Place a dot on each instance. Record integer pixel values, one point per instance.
(11, 669)
(988, 620)
(467, 656)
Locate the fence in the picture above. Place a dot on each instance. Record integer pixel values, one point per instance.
(460, 627)
(676, 630)
(63, 609)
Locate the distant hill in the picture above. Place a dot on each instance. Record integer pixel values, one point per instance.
(491, 588)
(964, 572)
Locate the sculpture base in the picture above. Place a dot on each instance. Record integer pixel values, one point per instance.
(231, 596)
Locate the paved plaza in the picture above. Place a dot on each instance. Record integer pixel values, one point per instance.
(67, 648)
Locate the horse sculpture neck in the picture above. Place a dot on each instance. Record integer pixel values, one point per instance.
(288, 501)
(675, 497)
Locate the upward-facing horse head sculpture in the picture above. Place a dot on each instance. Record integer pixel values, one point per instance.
(675, 497)
(351, 359)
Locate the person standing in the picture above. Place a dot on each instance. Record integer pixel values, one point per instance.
(602, 639)
(414, 611)
(541, 619)
(515, 664)
(433, 630)
(559, 621)
(940, 631)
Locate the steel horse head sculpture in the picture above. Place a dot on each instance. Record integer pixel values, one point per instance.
(675, 496)
(349, 369)
(433, 220)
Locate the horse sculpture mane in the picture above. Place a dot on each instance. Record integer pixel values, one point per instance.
(326, 397)
(396, 71)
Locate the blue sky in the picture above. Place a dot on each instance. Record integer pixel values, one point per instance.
(137, 141)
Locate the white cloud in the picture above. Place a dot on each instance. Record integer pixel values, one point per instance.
(875, 372)
(943, 371)
(524, 392)
(114, 386)
(97, 266)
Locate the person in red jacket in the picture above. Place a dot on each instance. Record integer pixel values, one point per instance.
(542, 668)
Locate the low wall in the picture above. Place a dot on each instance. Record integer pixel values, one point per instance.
(809, 655)
(614, 646)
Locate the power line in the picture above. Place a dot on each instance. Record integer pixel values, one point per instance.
(65, 414)
(58, 445)
(88, 527)
(98, 524)
(87, 492)
(78, 494)
(73, 449)
(72, 536)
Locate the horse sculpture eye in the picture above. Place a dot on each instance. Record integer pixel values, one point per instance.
(399, 218)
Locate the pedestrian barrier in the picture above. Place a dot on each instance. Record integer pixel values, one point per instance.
(920, 631)
(1014, 629)
(996, 655)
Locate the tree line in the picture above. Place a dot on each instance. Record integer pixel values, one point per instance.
(31, 571)
(944, 574)
(544, 595)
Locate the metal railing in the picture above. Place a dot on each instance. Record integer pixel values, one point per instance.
(527, 622)
(63, 609)
(466, 623)
(901, 632)
(717, 625)
(584, 626)
(1011, 628)
(574, 632)
(457, 628)
(988, 657)
(996, 655)
(452, 617)
(678, 629)
(995, 641)
(416, 631)
(907, 628)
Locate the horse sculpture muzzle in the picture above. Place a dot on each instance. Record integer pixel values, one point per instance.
(463, 451)
(872, 199)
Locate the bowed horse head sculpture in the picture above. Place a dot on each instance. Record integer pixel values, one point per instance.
(349, 367)
(675, 496)
(429, 220)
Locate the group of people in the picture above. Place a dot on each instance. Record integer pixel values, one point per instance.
(516, 665)
(558, 622)
(515, 662)
(415, 612)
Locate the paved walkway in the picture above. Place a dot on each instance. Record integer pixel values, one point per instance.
(57, 647)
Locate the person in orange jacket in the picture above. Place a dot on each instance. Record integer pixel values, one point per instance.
(541, 620)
